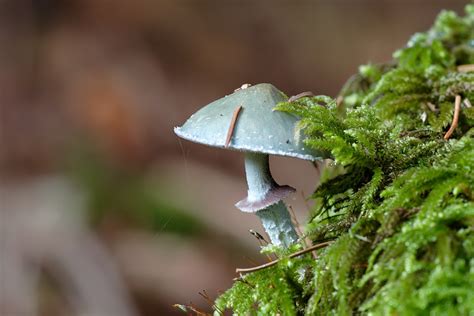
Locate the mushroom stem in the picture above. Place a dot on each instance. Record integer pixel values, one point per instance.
(277, 223)
(275, 217)
(259, 178)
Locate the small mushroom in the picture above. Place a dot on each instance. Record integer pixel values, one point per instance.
(258, 131)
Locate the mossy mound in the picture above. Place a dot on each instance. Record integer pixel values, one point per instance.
(398, 199)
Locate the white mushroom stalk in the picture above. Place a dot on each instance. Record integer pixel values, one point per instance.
(264, 197)
(259, 178)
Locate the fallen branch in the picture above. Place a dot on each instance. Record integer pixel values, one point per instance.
(454, 124)
(293, 255)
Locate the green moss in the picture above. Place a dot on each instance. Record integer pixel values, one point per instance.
(398, 198)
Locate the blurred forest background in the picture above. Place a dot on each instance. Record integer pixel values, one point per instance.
(103, 210)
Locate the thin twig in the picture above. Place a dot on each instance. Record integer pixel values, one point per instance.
(339, 101)
(363, 238)
(258, 236)
(318, 166)
(210, 301)
(241, 279)
(250, 260)
(432, 107)
(295, 220)
(191, 308)
(296, 223)
(260, 239)
(301, 95)
(232, 125)
(466, 68)
(454, 124)
(293, 255)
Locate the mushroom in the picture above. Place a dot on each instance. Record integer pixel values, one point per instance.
(246, 121)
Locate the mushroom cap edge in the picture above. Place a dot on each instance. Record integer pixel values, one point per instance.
(258, 128)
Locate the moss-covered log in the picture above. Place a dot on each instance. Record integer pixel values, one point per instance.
(399, 196)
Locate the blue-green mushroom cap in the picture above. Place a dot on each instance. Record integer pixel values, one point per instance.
(258, 128)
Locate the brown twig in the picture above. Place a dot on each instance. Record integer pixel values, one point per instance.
(318, 166)
(190, 307)
(232, 125)
(339, 101)
(240, 279)
(454, 124)
(315, 165)
(250, 260)
(210, 301)
(293, 255)
(205, 296)
(295, 221)
(260, 238)
(432, 107)
(466, 68)
(301, 95)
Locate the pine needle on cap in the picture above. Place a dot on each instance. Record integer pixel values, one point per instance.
(232, 125)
